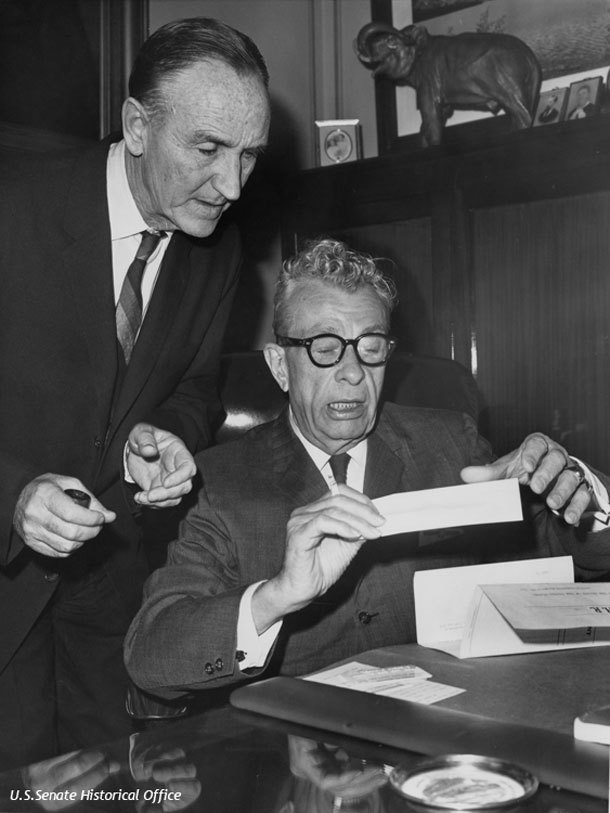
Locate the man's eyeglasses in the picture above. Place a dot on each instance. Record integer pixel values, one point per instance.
(326, 349)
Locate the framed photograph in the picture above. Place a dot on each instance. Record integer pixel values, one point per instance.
(584, 98)
(338, 141)
(551, 107)
(564, 36)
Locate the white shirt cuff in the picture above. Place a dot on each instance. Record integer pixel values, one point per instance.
(126, 475)
(601, 517)
(255, 647)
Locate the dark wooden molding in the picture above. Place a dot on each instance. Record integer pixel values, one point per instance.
(124, 27)
(499, 248)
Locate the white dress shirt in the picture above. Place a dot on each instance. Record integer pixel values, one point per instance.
(126, 227)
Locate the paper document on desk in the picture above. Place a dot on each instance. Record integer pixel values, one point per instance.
(454, 614)
(554, 613)
(403, 682)
(451, 507)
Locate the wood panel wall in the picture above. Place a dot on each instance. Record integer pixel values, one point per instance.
(501, 252)
(541, 274)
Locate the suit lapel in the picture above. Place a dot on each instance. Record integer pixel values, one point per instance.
(85, 261)
(295, 473)
(160, 316)
(385, 472)
(393, 464)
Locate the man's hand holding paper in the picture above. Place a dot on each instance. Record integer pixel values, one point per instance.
(322, 538)
(542, 464)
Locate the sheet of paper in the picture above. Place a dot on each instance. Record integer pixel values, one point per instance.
(402, 682)
(454, 506)
(422, 691)
(442, 597)
(355, 674)
(552, 606)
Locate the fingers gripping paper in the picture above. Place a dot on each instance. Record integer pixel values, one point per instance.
(473, 504)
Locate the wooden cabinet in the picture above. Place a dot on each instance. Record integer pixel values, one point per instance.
(501, 253)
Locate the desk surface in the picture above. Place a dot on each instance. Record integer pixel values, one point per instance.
(516, 707)
(235, 761)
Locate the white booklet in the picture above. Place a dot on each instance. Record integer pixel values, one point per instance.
(554, 613)
(455, 614)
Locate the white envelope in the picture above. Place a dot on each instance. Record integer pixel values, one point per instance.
(450, 507)
(454, 615)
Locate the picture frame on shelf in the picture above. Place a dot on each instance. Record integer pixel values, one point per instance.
(564, 37)
(584, 98)
(338, 141)
(551, 107)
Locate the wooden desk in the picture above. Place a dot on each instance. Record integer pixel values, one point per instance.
(517, 707)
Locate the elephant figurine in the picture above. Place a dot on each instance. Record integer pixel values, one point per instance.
(468, 71)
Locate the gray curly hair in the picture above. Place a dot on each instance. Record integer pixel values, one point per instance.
(332, 262)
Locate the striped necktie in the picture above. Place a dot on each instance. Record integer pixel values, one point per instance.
(338, 466)
(129, 306)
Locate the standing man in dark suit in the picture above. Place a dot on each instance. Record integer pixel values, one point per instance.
(107, 368)
(279, 566)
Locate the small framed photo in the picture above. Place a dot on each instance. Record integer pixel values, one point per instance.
(551, 107)
(584, 98)
(338, 141)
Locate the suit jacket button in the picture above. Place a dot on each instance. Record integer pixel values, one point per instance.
(98, 443)
(51, 576)
(209, 669)
(364, 617)
(218, 664)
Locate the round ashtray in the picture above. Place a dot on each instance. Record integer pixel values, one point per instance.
(463, 782)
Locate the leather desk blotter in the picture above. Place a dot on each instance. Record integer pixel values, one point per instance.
(508, 721)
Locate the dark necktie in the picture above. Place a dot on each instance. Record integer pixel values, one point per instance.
(129, 306)
(338, 465)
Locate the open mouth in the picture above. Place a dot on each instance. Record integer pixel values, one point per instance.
(346, 409)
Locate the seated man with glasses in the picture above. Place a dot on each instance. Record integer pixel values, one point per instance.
(279, 567)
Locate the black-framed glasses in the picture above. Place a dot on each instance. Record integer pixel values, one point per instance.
(327, 349)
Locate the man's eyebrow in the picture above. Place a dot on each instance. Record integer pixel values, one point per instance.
(203, 135)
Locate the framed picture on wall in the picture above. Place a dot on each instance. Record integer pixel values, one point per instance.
(584, 98)
(551, 107)
(565, 38)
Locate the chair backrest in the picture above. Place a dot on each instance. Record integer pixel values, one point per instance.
(250, 396)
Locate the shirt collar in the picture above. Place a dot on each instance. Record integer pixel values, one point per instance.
(320, 458)
(125, 217)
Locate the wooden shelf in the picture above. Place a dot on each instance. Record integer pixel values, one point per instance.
(543, 162)
(501, 252)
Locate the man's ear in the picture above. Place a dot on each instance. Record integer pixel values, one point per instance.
(135, 121)
(275, 356)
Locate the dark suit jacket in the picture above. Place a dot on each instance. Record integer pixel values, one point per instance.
(184, 637)
(59, 409)
(588, 110)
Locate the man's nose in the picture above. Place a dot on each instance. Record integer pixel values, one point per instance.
(350, 368)
(227, 180)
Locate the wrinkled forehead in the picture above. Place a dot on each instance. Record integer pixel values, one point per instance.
(315, 306)
(204, 76)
